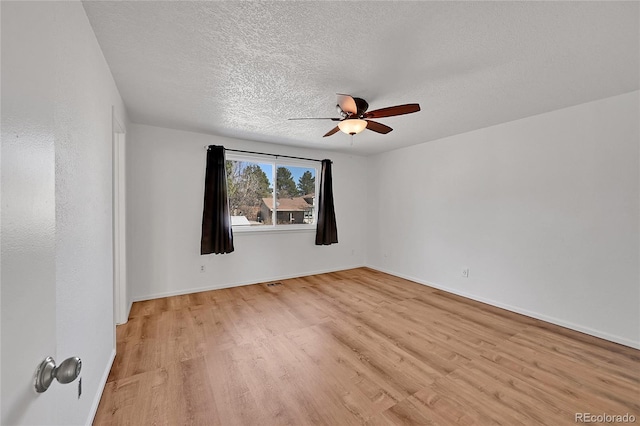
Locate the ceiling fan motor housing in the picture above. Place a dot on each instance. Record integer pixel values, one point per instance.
(362, 106)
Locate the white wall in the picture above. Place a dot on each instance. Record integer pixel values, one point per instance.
(544, 211)
(165, 190)
(65, 93)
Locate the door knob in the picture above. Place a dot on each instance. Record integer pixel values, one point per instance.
(66, 372)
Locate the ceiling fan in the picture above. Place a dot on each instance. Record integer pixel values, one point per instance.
(354, 117)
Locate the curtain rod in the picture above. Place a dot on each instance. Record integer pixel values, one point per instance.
(264, 153)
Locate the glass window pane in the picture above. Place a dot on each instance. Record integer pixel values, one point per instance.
(295, 193)
(250, 193)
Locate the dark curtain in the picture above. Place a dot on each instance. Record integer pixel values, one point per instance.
(327, 232)
(217, 236)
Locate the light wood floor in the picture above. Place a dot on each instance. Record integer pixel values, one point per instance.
(356, 347)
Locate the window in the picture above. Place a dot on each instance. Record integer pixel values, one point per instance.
(271, 194)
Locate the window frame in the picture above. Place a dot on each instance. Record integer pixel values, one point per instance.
(276, 162)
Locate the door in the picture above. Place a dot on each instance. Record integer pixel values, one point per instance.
(56, 265)
(27, 196)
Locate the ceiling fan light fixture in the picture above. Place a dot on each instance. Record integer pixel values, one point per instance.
(352, 126)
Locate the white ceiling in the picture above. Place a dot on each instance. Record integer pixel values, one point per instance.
(240, 69)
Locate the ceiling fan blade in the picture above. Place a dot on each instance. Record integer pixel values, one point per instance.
(332, 131)
(394, 110)
(378, 127)
(347, 104)
(316, 118)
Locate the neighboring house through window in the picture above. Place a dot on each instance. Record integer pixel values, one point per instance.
(267, 194)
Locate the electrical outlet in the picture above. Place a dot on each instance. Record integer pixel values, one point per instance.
(465, 272)
(202, 268)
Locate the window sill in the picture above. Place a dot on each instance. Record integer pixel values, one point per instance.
(266, 229)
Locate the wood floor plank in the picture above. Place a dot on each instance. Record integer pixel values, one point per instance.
(566, 391)
(396, 365)
(441, 334)
(620, 363)
(356, 347)
(330, 401)
(338, 359)
(413, 340)
(170, 395)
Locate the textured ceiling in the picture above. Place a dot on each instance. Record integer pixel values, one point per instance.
(240, 69)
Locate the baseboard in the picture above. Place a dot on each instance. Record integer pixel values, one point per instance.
(102, 384)
(576, 327)
(242, 283)
(128, 311)
(125, 317)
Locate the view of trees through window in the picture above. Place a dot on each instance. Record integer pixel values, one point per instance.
(251, 193)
